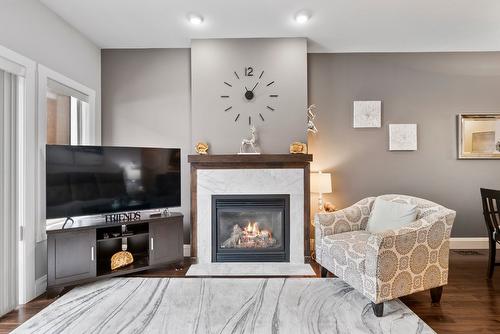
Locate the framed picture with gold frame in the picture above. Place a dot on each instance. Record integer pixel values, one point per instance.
(478, 136)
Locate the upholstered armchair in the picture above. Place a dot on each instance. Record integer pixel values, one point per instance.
(389, 264)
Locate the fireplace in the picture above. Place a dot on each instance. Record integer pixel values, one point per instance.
(250, 228)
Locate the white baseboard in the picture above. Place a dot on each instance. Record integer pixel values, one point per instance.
(470, 243)
(40, 285)
(187, 250)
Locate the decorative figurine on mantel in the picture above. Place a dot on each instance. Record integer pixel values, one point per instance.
(250, 142)
(298, 148)
(201, 148)
(310, 119)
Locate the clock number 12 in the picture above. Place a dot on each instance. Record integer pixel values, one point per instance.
(249, 71)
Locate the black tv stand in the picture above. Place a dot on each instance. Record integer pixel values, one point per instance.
(82, 252)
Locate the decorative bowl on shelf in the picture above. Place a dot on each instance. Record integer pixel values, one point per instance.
(121, 259)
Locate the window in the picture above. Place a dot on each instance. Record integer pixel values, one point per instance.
(67, 115)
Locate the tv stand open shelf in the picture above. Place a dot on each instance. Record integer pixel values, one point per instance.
(82, 253)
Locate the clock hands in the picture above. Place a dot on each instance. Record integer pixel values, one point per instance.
(249, 94)
(252, 88)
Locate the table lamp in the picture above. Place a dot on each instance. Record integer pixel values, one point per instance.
(321, 183)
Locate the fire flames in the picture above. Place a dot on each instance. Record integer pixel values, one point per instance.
(250, 236)
(252, 229)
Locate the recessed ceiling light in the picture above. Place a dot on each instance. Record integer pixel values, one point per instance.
(302, 17)
(195, 19)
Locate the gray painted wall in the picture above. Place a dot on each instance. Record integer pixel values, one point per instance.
(283, 60)
(426, 88)
(31, 29)
(146, 102)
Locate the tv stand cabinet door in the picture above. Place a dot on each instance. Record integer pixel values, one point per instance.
(166, 242)
(71, 256)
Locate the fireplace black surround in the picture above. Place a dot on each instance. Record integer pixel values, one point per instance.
(250, 228)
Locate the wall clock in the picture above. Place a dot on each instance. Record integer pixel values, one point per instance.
(248, 86)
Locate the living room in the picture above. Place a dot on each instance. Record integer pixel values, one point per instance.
(286, 166)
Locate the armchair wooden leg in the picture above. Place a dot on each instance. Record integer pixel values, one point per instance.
(378, 309)
(323, 271)
(436, 294)
(491, 261)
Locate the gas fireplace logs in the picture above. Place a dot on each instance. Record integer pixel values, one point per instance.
(251, 236)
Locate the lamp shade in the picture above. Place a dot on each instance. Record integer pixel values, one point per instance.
(321, 183)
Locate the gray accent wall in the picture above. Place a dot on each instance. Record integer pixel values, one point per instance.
(284, 62)
(147, 98)
(428, 89)
(146, 102)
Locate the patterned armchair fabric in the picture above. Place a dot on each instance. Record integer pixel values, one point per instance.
(391, 264)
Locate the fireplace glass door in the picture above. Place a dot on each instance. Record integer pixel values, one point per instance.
(250, 228)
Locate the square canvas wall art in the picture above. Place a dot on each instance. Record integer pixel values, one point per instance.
(367, 114)
(402, 137)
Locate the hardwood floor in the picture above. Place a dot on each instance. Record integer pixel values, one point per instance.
(470, 303)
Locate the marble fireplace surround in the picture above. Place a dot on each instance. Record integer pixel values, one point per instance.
(250, 182)
(248, 175)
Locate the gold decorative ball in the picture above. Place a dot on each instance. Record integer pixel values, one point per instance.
(201, 148)
(298, 148)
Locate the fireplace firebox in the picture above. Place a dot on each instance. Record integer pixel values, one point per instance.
(250, 228)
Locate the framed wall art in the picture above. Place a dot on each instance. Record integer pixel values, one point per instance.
(367, 114)
(402, 137)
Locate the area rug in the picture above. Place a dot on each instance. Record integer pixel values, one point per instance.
(220, 305)
(250, 269)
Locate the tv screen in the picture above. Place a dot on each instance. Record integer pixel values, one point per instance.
(90, 180)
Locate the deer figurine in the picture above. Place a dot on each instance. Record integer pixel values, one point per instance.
(249, 142)
(311, 127)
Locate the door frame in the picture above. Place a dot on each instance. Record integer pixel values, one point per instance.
(26, 139)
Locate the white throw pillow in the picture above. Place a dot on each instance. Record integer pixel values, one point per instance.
(387, 215)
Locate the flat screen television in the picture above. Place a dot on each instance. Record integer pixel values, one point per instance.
(91, 180)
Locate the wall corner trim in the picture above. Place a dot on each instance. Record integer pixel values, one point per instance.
(40, 285)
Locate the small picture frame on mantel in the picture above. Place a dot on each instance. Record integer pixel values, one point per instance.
(367, 114)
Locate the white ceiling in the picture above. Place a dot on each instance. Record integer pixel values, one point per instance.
(335, 25)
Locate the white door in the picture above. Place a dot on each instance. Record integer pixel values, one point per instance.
(17, 179)
(11, 88)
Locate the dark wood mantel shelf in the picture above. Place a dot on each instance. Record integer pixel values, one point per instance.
(242, 161)
(278, 160)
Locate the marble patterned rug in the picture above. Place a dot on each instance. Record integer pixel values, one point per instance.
(220, 305)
